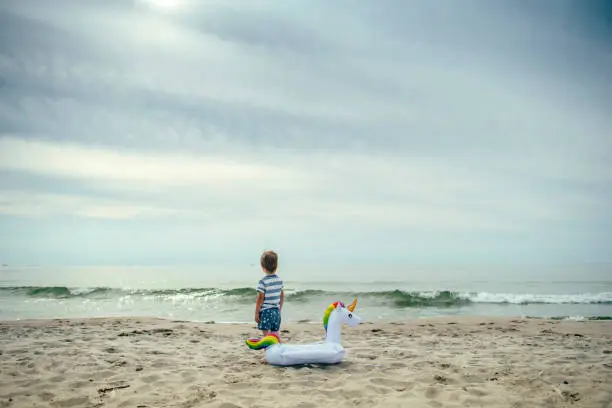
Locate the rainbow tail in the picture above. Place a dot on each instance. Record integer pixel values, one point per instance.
(265, 342)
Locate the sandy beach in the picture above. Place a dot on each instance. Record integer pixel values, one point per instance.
(442, 362)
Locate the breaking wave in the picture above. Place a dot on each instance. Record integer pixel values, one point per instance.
(395, 298)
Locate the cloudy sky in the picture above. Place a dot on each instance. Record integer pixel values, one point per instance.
(187, 132)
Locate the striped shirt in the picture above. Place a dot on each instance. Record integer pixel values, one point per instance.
(271, 286)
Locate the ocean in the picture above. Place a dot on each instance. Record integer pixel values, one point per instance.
(205, 294)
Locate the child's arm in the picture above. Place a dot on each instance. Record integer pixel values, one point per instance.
(282, 298)
(258, 303)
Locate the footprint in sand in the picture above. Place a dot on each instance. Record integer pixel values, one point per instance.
(387, 382)
(73, 402)
(239, 385)
(476, 392)
(56, 379)
(432, 392)
(372, 389)
(79, 384)
(366, 356)
(150, 378)
(46, 396)
(395, 384)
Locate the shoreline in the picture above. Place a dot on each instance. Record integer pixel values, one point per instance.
(469, 320)
(439, 361)
(465, 318)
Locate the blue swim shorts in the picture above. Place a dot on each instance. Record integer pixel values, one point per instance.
(270, 319)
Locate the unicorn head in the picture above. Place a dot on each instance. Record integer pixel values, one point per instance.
(337, 314)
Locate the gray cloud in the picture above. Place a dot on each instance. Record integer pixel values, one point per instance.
(398, 118)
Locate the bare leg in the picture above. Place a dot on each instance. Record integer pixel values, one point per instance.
(264, 333)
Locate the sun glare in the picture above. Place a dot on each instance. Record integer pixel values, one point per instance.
(164, 4)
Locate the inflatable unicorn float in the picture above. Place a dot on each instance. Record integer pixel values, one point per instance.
(328, 352)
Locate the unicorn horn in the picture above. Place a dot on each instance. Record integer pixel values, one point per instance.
(351, 307)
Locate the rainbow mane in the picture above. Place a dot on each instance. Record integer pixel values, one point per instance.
(328, 311)
(264, 342)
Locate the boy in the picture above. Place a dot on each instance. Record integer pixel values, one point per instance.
(270, 295)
